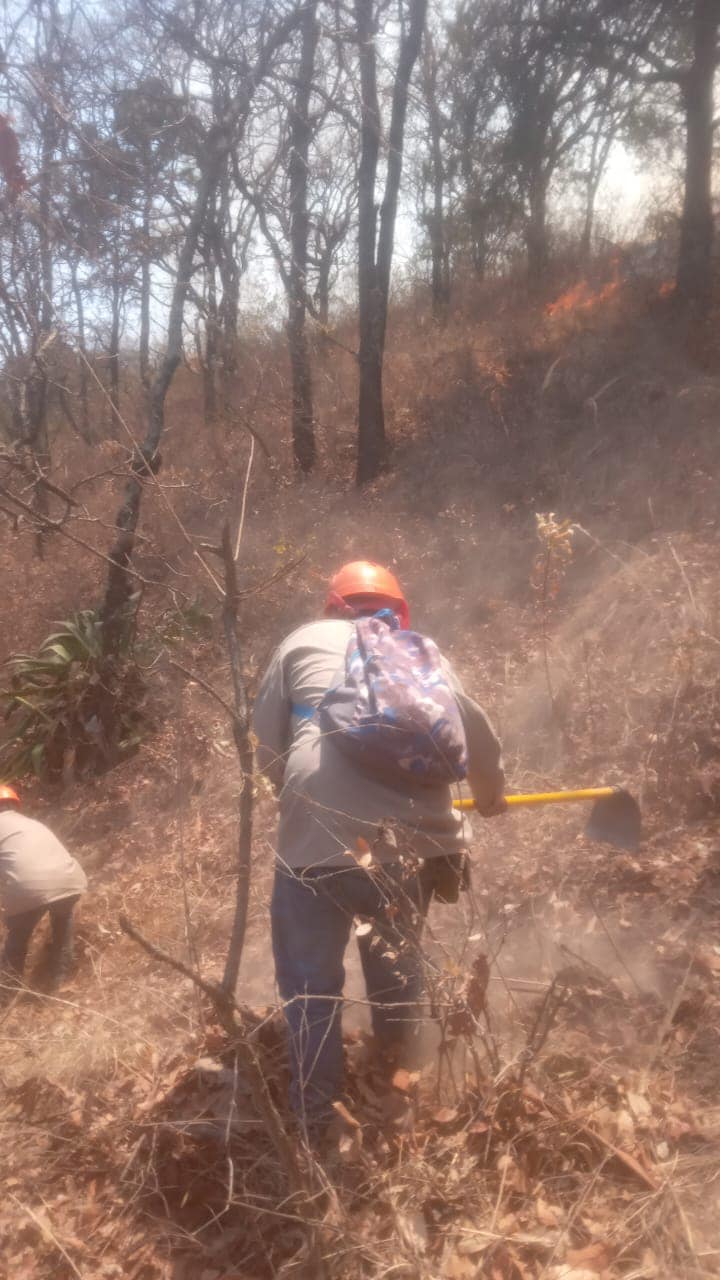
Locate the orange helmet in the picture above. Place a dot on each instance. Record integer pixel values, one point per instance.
(9, 796)
(364, 581)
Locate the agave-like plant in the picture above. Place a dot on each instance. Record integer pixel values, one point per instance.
(50, 703)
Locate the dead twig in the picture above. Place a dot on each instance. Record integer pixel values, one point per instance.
(246, 758)
(224, 1004)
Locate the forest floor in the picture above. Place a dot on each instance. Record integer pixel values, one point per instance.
(570, 1130)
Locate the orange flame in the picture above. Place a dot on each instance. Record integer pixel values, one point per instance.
(581, 298)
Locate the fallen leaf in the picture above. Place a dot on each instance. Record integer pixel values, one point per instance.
(363, 929)
(548, 1215)
(405, 1080)
(593, 1257)
(445, 1115)
(474, 1243)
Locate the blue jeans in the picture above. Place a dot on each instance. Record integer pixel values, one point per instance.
(312, 913)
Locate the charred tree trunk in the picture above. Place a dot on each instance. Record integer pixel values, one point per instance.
(84, 425)
(374, 266)
(229, 311)
(371, 418)
(303, 426)
(536, 233)
(116, 298)
(438, 245)
(210, 353)
(145, 277)
(440, 274)
(694, 271)
(322, 291)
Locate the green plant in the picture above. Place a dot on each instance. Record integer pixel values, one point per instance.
(50, 704)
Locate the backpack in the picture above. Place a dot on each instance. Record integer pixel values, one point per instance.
(394, 713)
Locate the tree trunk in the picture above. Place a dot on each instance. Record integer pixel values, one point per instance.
(694, 270)
(145, 279)
(116, 297)
(374, 273)
(210, 354)
(85, 431)
(322, 291)
(588, 223)
(440, 275)
(536, 236)
(440, 257)
(371, 419)
(303, 427)
(229, 304)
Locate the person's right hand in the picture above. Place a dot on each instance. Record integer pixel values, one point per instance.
(489, 796)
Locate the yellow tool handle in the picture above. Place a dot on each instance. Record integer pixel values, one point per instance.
(545, 797)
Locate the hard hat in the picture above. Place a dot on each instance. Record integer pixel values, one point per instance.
(362, 579)
(9, 795)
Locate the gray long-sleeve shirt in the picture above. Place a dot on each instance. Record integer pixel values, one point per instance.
(35, 868)
(326, 802)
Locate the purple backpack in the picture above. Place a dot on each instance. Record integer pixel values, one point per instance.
(395, 712)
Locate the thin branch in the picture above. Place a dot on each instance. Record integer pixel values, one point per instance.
(60, 528)
(243, 503)
(223, 1001)
(246, 758)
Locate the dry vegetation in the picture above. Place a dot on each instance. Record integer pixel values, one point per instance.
(567, 1125)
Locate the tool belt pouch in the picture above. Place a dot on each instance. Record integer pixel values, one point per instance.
(451, 876)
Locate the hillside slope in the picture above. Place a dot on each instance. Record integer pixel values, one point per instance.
(583, 1138)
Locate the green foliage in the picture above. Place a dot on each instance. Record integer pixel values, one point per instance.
(51, 703)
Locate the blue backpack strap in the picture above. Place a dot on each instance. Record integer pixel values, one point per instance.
(303, 711)
(389, 618)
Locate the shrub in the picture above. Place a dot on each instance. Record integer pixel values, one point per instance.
(51, 704)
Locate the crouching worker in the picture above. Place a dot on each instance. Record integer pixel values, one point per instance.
(37, 875)
(363, 728)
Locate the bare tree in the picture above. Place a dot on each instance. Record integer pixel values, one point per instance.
(376, 237)
(435, 174)
(303, 427)
(674, 43)
(215, 143)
